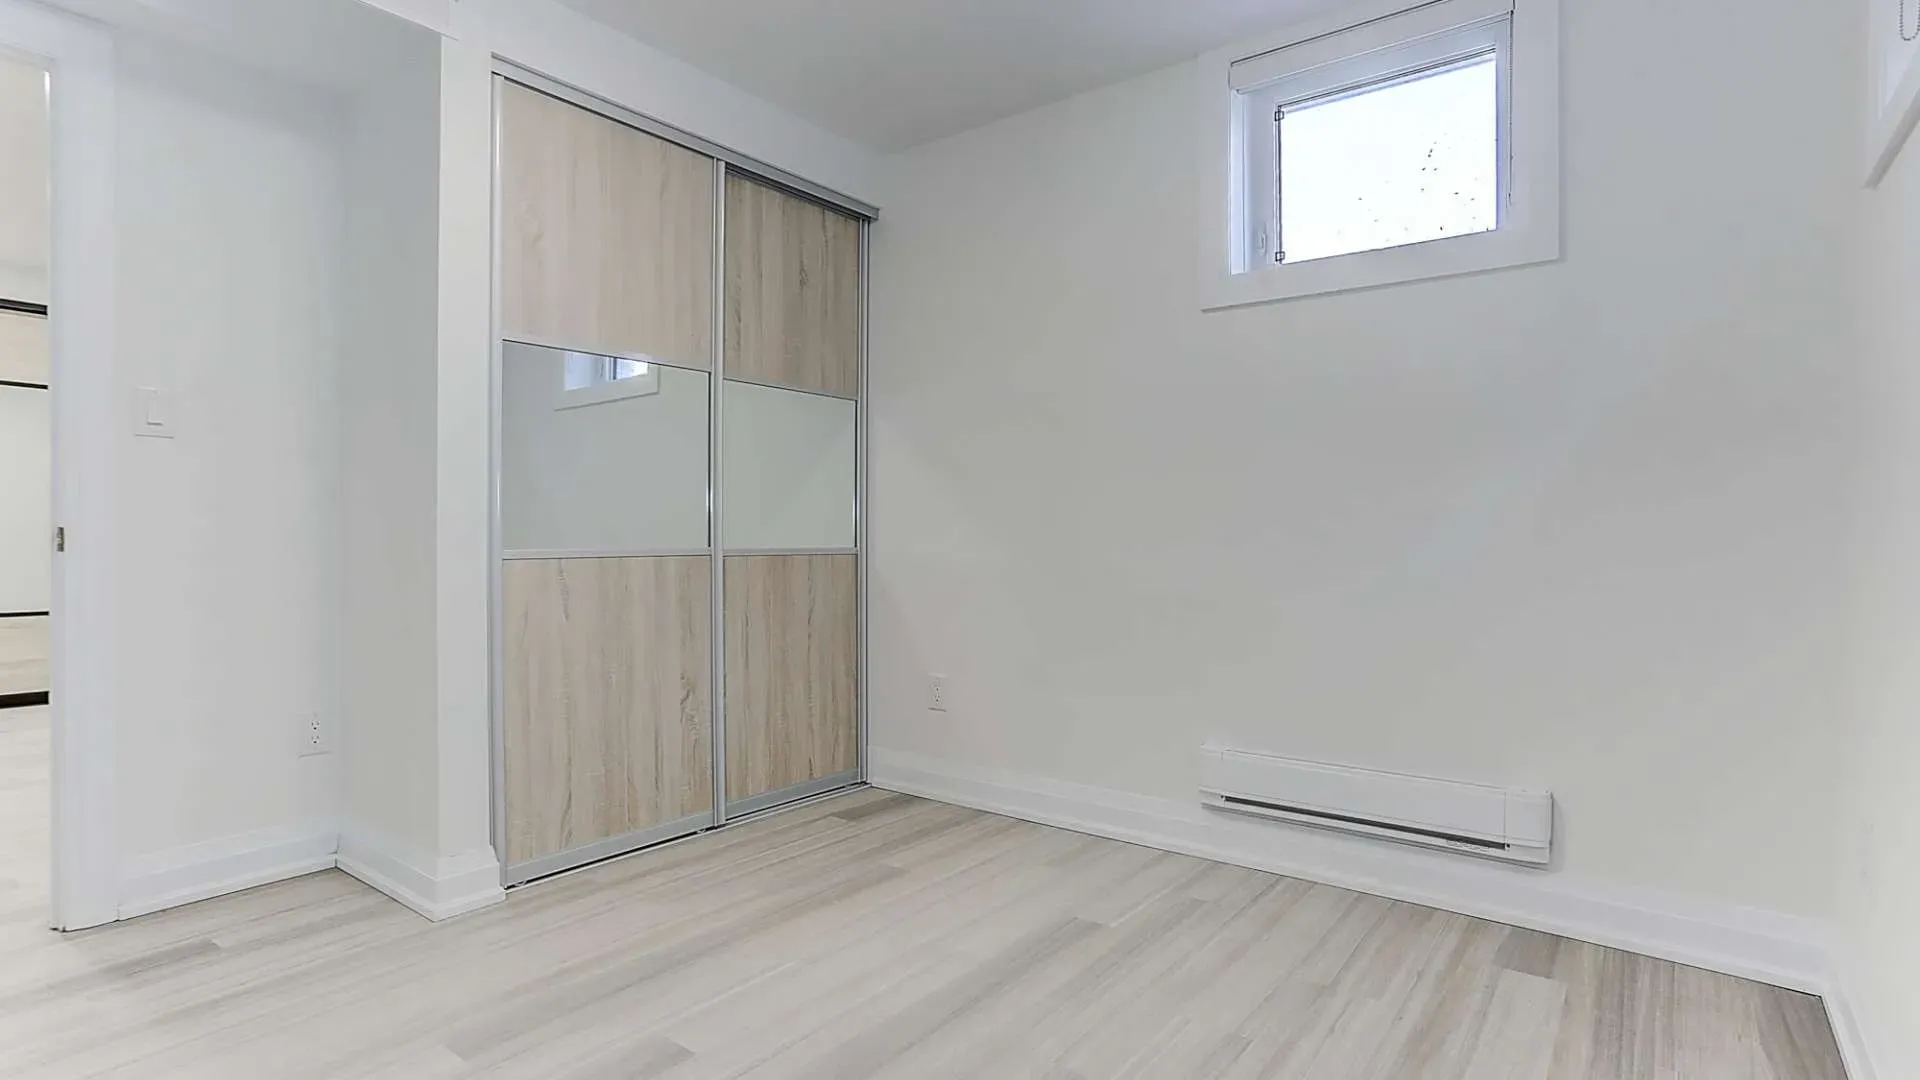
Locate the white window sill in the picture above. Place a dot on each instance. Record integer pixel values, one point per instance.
(1500, 249)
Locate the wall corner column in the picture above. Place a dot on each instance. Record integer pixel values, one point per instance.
(463, 548)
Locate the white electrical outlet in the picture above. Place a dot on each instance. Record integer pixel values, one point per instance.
(937, 693)
(313, 734)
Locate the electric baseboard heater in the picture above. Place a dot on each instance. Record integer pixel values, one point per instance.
(1473, 819)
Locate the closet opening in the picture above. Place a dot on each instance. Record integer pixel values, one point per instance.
(27, 531)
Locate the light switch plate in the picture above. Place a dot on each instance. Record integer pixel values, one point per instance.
(152, 412)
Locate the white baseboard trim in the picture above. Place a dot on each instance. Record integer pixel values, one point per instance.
(196, 872)
(1783, 950)
(1851, 1031)
(438, 888)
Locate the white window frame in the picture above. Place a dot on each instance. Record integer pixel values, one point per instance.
(1240, 87)
(1896, 88)
(1358, 75)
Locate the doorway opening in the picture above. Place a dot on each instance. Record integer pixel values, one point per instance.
(26, 504)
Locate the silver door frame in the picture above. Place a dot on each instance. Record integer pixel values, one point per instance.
(716, 419)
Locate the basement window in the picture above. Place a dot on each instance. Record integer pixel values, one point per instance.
(1415, 144)
(1403, 160)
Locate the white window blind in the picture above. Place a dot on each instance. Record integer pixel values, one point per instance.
(1344, 46)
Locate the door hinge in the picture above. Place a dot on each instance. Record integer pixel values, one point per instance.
(60, 538)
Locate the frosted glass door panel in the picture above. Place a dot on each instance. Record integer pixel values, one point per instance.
(601, 455)
(788, 469)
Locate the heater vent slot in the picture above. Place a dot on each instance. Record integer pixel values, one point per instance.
(1322, 815)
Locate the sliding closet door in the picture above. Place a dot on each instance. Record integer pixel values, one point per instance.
(790, 468)
(606, 479)
(679, 473)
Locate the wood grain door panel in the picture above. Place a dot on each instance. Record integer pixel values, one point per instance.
(606, 234)
(608, 708)
(792, 631)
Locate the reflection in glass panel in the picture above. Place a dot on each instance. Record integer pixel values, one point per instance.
(601, 454)
(789, 469)
(586, 371)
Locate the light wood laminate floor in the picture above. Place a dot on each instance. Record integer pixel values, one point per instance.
(24, 863)
(875, 936)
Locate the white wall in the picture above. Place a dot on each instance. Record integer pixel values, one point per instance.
(463, 480)
(417, 815)
(231, 210)
(1574, 527)
(387, 386)
(1879, 830)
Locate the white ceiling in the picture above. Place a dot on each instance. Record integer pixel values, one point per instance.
(896, 73)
